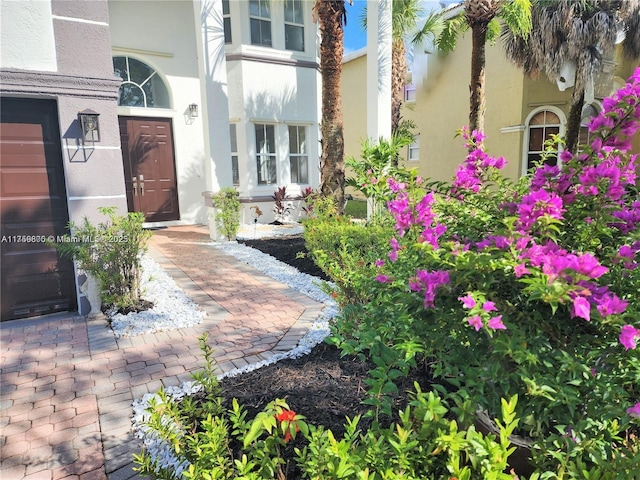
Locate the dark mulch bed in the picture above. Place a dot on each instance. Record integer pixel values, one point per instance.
(287, 250)
(322, 386)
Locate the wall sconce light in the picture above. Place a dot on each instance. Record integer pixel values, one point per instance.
(90, 126)
(193, 110)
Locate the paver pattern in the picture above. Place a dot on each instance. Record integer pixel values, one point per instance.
(67, 383)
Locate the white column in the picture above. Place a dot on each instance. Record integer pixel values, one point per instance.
(378, 69)
(213, 77)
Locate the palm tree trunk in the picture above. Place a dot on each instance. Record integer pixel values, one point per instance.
(573, 123)
(398, 79)
(477, 98)
(330, 14)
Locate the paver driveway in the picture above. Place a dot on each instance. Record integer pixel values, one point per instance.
(67, 383)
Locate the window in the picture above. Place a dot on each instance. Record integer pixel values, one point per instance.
(542, 126)
(293, 25)
(141, 85)
(234, 154)
(588, 112)
(266, 154)
(226, 18)
(410, 93)
(414, 149)
(298, 158)
(260, 22)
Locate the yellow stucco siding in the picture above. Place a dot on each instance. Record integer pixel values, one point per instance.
(442, 104)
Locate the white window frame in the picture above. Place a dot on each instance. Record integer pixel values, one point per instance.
(265, 159)
(226, 21)
(413, 154)
(261, 18)
(293, 23)
(154, 76)
(235, 169)
(525, 145)
(410, 93)
(301, 155)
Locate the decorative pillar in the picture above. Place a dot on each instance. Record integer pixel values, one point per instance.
(379, 69)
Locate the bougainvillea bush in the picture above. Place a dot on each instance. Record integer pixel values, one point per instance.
(529, 288)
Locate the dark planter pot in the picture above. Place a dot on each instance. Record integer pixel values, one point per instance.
(519, 460)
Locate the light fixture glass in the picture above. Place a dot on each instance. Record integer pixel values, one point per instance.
(193, 110)
(90, 125)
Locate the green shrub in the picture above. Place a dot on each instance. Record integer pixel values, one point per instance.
(347, 252)
(227, 206)
(111, 252)
(204, 441)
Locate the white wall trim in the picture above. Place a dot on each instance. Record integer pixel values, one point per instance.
(90, 147)
(79, 20)
(513, 129)
(95, 197)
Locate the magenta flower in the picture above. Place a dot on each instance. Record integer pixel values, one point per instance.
(379, 263)
(431, 281)
(521, 270)
(635, 410)
(538, 204)
(467, 301)
(475, 322)
(393, 256)
(610, 304)
(383, 279)
(489, 306)
(496, 323)
(581, 308)
(628, 335)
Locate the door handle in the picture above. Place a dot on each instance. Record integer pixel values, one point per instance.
(142, 185)
(135, 186)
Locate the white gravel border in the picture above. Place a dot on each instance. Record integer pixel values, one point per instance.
(172, 308)
(290, 276)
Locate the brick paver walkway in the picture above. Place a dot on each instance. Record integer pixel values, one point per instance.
(67, 383)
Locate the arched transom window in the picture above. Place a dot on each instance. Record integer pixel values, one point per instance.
(141, 84)
(542, 126)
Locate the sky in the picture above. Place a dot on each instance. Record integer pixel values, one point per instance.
(354, 37)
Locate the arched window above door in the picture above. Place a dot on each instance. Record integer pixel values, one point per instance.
(141, 85)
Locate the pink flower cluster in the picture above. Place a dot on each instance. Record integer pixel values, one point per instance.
(479, 313)
(470, 174)
(429, 283)
(407, 214)
(537, 204)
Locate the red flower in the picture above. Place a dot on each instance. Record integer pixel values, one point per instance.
(286, 416)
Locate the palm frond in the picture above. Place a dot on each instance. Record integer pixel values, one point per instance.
(431, 29)
(516, 15)
(448, 38)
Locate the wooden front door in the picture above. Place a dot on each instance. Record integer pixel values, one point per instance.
(149, 167)
(33, 199)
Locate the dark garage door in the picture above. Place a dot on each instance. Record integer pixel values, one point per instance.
(35, 280)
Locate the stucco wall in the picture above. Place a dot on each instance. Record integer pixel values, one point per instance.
(135, 31)
(442, 106)
(273, 94)
(26, 26)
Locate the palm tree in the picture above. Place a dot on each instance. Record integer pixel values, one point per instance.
(331, 16)
(404, 18)
(578, 31)
(483, 18)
